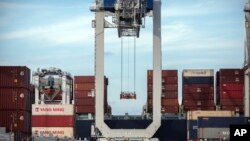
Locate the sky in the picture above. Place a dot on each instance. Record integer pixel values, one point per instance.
(196, 34)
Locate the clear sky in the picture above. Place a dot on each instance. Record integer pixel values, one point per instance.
(196, 34)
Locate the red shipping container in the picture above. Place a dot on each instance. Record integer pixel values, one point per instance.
(165, 88)
(231, 95)
(169, 73)
(14, 76)
(165, 80)
(85, 86)
(83, 94)
(233, 108)
(231, 87)
(84, 109)
(16, 121)
(170, 95)
(201, 103)
(52, 121)
(231, 102)
(232, 79)
(88, 79)
(195, 96)
(231, 72)
(167, 95)
(169, 102)
(85, 102)
(165, 102)
(188, 108)
(15, 99)
(165, 109)
(198, 89)
(169, 109)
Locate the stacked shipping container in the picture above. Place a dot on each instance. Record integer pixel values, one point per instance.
(53, 120)
(84, 87)
(231, 88)
(198, 90)
(192, 121)
(15, 100)
(169, 97)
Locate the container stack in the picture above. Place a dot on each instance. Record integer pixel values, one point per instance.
(192, 121)
(218, 128)
(198, 90)
(53, 120)
(169, 97)
(15, 101)
(85, 95)
(53, 113)
(231, 89)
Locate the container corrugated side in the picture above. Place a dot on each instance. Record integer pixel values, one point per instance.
(15, 99)
(17, 121)
(193, 115)
(14, 76)
(52, 109)
(198, 72)
(52, 121)
(164, 73)
(214, 133)
(221, 122)
(60, 132)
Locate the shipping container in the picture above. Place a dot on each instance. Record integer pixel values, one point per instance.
(193, 103)
(165, 102)
(198, 73)
(84, 94)
(170, 109)
(231, 72)
(15, 121)
(232, 79)
(165, 88)
(192, 135)
(197, 97)
(15, 99)
(231, 95)
(85, 102)
(198, 80)
(49, 109)
(87, 79)
(198, 88)
(85, 86)
(233, 108)
(221, 122)
(231, 102)
(60, 132)
(164, 73)
(204, 108)
(214, 133)
(165, 80)
(193, 115)
(14, 76)
(84, 109)
(52, 121)
(231, 87)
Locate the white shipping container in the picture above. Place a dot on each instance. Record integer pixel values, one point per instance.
(214, 133)
(198, 72)
(49, 109)
(60, 132)
(193, 115)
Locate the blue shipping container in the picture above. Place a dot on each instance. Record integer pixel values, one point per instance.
(198, 80)
(221, 122)
(192, 125)
(150, 5)
(192, 134)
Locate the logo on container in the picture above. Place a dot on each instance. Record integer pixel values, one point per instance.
(37, 109)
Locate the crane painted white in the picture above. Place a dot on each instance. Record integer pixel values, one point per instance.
(247, 59)
(126, 134)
